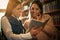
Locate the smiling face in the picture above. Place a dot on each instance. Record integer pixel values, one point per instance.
(35, 11)
(17, 11)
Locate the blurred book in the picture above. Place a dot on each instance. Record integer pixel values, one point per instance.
(36, 24)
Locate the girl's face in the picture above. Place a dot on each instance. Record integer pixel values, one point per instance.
(17, 11)
(35, 11)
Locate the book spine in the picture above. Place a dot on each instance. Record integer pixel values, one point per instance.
(50, 7)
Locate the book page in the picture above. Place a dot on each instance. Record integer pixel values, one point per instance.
(36, 24)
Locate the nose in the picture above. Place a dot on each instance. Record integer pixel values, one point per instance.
(34, 11)
(20, 11)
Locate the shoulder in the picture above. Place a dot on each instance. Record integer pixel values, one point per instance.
(4, 18)
(46, 16)
(49, 18)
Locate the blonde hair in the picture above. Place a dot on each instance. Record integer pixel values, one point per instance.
(11, 4)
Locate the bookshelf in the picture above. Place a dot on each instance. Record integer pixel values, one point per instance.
(46, 1)
(52, 7)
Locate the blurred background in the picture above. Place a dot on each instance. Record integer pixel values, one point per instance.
(3, 5)
(51, 7)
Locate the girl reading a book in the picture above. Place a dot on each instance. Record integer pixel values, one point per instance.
(46, 31)
(12, 28)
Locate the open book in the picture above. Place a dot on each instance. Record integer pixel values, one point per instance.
(36, 24)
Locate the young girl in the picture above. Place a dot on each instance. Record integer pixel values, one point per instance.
(11, 26)
(36, 11)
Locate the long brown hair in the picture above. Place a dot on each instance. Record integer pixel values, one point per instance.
(39, 4)
(11, 4)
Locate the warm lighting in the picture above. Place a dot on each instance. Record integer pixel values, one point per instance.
(26, 8)
(1, 14)
(3, 4)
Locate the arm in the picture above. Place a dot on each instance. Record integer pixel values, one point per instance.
(49, 27)
(26, 24)
(8, 31)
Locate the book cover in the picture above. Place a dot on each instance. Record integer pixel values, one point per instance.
(36, 24)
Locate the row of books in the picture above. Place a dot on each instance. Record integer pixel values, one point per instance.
(50, 7)
(56, 19)
(46, 1)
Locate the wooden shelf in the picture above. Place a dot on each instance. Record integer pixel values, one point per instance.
(47, 1)
(58, 27)
(2, 10)
(52, 11)
(52, 7)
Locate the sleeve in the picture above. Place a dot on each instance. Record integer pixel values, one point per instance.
(6, 27)
(49, 27)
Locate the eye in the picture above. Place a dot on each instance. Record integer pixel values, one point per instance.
(19, 9)
(37, 9)
(32, 8)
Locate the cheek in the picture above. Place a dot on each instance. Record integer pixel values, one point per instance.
(17, 13)
(38, 11)
(31, 12)
(14, 12)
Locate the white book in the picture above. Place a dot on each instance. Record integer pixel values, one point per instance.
(36, 24)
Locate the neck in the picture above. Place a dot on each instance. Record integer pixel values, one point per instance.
(14, 16)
